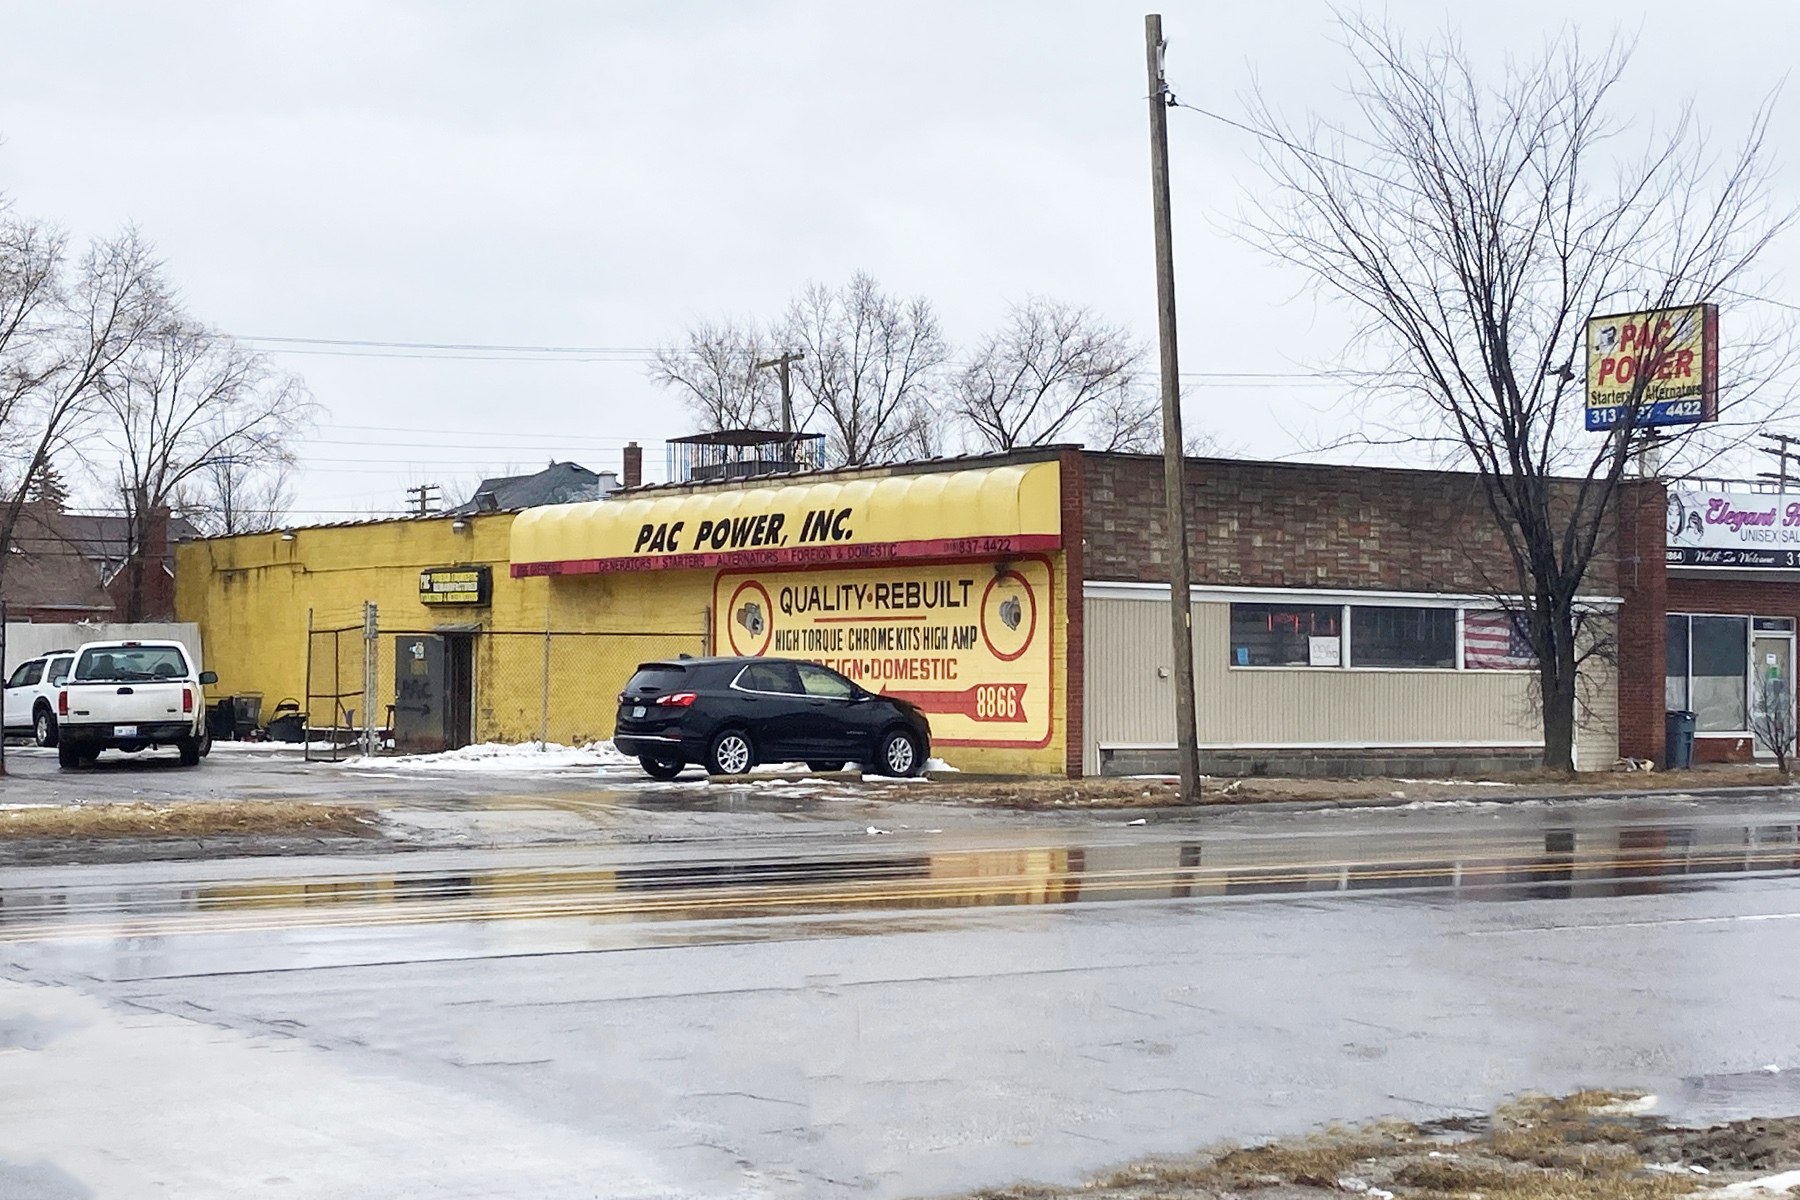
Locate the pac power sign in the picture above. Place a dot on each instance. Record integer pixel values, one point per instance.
(1665, 361)
(969, 642)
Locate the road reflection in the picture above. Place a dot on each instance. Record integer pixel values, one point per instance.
(1555, 862)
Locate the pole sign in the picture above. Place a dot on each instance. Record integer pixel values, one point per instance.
(1733, 529)
(456, 585)
(1675, 349)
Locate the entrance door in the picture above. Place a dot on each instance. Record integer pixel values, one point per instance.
(459, 688)
(1771, 683)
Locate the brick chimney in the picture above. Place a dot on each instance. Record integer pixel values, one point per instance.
(634, 465)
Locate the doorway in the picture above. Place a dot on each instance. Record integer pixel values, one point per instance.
(459, 688)
(1771, 682)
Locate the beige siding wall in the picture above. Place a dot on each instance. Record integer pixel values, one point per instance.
(1597, 716)
(1129, 703)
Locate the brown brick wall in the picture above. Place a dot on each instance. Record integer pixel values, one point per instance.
(1075, 731)
(1643, 633)
(1279, 525)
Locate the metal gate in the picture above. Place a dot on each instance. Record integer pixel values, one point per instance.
(471, 685)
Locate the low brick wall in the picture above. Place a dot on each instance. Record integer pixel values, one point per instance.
(1448, 762)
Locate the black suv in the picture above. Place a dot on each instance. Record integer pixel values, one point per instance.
(728, 714)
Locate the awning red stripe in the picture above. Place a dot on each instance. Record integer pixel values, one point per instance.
(871, 553)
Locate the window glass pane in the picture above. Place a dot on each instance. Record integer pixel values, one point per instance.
(1675, 680)
(1493, 641)
(769, 677)
(657, 678)
(131, 662)
(1281, 635)
(1719, 659)
(59, 670)
(34, 672)
(18, 675)
(1402, 637)
(820, 682)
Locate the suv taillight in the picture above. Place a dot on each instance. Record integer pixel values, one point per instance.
(187, 700)
(62, 704)
(677, 700)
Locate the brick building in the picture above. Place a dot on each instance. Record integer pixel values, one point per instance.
(1346, 619)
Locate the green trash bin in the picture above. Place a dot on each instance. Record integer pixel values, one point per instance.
(1678, 741)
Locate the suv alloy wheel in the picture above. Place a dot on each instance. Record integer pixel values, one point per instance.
(731, 754)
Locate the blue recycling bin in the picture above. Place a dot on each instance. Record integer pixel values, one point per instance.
(1678, 741)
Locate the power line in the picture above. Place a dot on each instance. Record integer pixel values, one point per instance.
(489, 346)
(495, 352)
(1390, 182)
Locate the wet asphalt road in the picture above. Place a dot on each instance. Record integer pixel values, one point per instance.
(812, 1009)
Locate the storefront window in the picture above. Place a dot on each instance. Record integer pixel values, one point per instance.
(1285, 635)
(1675, 679)
(1718, 654)
(1493, 640)
(1390, 636)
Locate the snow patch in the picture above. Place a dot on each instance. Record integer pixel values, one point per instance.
(500, 756)
(938, 764)
(1776, 1184)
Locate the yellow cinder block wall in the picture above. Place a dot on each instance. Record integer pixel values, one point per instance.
(250, 595)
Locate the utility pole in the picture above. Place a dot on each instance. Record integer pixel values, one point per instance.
(1782, 452)
(781, 363)
(423, 499)
(371, 734)
(1174, 463)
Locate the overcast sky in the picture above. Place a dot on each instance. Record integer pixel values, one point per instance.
(593, 175)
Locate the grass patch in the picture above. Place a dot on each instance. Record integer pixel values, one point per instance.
(1116, 793)
(184, 819)
(1588, 1146)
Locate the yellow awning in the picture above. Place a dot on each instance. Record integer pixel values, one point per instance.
(993, 511)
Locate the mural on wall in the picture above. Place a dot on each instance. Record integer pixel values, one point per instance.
(968, 642)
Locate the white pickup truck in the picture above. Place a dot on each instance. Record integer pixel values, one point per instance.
(132, 696)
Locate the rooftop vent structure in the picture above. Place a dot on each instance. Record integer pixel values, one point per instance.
(742, 454)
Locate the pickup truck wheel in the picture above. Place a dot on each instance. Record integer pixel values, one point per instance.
(43, 726)
(190, 751)
(69, 757)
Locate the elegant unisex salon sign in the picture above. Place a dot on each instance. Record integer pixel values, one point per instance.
(1733, 529)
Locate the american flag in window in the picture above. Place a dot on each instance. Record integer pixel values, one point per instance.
(1492, 641)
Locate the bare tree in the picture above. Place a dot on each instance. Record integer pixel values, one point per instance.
(1772, 717)
(61, 331)
(871, 370)
(248, 490)
(1127, 421)
(1476, 229)
(714, 372)
(1035, 380)
(182, 400)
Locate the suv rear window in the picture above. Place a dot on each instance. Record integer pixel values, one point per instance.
(657, 678)
(131, 662)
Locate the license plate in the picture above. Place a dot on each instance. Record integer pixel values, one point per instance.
(638, 711)
(124, 730)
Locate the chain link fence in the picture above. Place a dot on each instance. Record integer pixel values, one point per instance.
(501, 685)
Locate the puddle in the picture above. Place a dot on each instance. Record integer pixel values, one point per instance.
(1551, 863)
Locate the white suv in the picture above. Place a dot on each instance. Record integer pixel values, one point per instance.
(31, 695)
